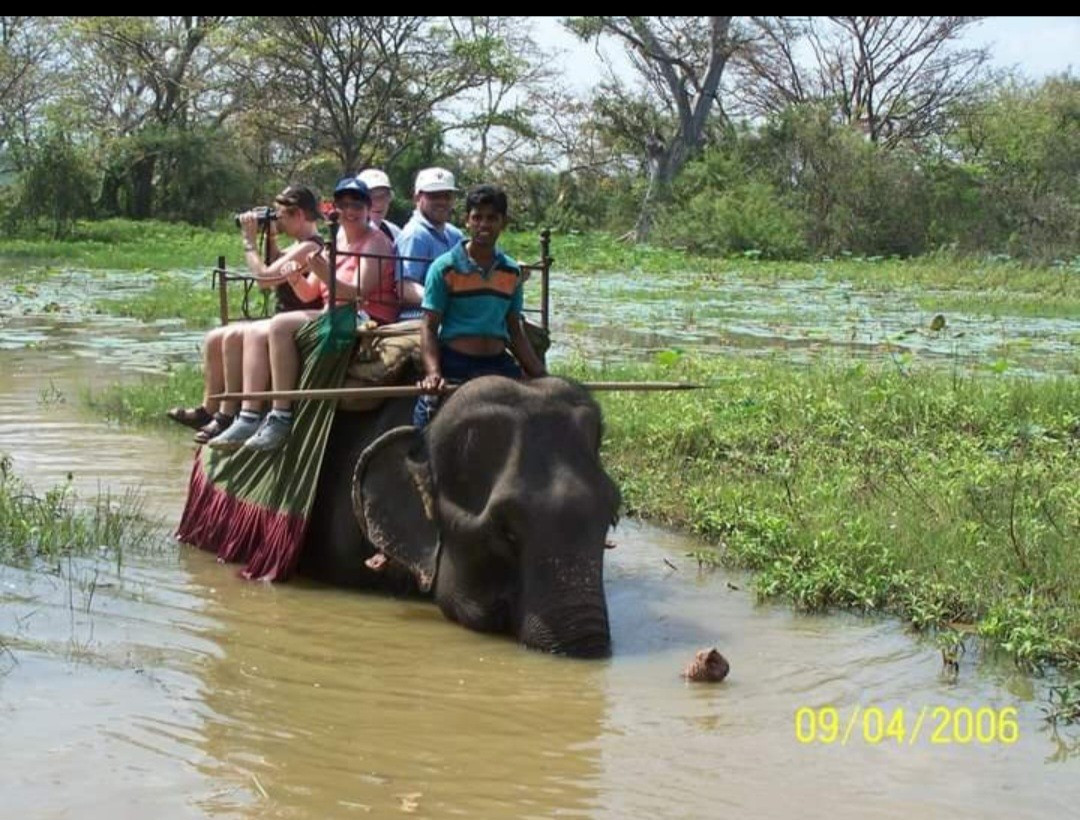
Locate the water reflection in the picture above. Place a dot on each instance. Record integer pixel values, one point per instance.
(326, 700)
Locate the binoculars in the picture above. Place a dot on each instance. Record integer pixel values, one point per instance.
(263, 215)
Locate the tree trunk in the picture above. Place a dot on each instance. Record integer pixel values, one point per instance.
(142, 187)
(665, 166)
(108, 203)
(350, 155)
(692, 94)
(644, 222)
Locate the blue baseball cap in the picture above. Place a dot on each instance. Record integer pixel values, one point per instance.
(354, 186)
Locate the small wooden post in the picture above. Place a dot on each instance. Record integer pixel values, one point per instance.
(545, 269)
(333, 260)
(223, 291)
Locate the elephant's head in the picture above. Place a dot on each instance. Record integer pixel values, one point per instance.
(501, 507)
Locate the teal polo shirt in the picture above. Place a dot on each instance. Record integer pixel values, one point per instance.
(473, 301)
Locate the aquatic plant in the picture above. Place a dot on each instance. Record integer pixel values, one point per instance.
(57, 524)
(146, 400)
(1063, 704)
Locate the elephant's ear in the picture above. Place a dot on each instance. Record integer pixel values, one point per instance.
(394, 501)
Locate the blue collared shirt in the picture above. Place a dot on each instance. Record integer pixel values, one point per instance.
(470, 300)
(419, 238)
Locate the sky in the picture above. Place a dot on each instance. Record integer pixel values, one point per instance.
(1037, 46)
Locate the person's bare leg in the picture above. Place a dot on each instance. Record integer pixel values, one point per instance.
(285, 370)
(255, 377)
(213, 379)
(233, 357)
(213, 369)
(256, 367)
(284, 357)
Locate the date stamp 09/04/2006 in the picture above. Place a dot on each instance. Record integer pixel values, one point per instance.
(937, 725)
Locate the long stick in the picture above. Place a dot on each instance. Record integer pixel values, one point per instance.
(395, 391)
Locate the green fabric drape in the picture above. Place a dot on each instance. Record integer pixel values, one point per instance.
(337, 330)
(249, 506)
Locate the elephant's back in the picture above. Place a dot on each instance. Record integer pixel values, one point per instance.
(501, 390)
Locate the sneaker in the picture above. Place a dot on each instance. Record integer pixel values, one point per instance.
(233, 438)
(271, 436)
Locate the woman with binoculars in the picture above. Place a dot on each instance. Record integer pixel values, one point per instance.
(269, 354)
(230, 351)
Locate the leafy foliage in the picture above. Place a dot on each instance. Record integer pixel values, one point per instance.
(56, 185)
(942, 499)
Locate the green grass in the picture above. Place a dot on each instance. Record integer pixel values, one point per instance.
(145, 401)
(56, 525)
(120, 244)
(191, 299)
(997, 304)
(598, 252)
(944, 499)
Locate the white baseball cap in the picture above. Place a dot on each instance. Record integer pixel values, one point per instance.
(432, 180)
(374, 178)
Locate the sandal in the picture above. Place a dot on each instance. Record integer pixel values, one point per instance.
(193, 417)
(218, 424)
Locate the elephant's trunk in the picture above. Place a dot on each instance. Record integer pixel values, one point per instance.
(577, 630)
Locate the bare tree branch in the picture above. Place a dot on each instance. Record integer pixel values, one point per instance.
(891, 77)
(682, 59)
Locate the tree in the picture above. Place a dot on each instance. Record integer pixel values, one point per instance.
(1018, 149)
(681, 60)
(574, 171)
(138, 81)
(516, 83)
(55, 184)
(26, 81)
(894, 78)
(364, 87)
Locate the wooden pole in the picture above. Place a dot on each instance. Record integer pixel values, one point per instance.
(545, 276)
(399, 390)
(332, 258)
(223, 291)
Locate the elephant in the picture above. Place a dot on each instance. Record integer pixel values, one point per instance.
(499, 510)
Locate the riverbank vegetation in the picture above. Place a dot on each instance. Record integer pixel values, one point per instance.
(146, 400)
(947, 499)
(55, 525)
(173, 262)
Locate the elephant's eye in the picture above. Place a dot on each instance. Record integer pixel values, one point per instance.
(506, 530)
(510, 537)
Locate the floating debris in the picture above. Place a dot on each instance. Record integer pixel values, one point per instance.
(708, 666)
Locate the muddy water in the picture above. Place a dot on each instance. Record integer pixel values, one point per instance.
(173, 689)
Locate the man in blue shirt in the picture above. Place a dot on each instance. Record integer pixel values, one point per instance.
(426, 235)
(472, 308)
